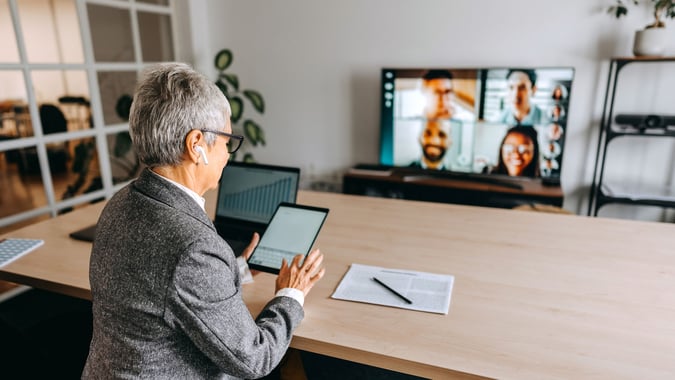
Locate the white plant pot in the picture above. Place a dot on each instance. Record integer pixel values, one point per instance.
(650, 42)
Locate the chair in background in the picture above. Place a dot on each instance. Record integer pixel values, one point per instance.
(53, 121)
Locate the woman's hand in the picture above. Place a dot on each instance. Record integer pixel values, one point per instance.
(248, 251)
(301, 277)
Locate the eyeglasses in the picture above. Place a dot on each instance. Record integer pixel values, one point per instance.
(522, 149)
(233, 144)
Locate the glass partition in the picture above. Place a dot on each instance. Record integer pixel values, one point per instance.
(116, 88)
(124, 163)
(63, 100)
(16, 121)
(156, 39)
(51, 31)
(111, 33)
(20, 181)
(8, 51)
(74, 167)
(158, 2)
(51, 82)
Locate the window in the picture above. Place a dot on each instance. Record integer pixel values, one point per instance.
(68, 69)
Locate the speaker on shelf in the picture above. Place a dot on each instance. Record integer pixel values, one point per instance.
(645, 121)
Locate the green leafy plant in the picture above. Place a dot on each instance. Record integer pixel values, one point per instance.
(229, 85)
(663, 9)
(123, 156)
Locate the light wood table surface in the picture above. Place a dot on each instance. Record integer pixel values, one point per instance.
(536, 295)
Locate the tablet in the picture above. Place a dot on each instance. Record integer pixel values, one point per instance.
(291, 231)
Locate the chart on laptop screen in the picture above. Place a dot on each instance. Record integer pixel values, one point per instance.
(253, 192)
(258, 200)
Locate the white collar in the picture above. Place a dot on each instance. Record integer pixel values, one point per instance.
(200, 201)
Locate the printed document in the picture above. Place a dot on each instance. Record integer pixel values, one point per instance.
(426, 291)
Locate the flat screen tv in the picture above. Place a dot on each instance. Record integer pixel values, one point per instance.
(508, 121)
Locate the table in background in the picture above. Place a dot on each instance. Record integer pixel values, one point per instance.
(536, 295)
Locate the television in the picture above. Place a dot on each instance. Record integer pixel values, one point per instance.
(505, 121)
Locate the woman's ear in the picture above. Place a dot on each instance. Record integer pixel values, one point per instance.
(194, 138)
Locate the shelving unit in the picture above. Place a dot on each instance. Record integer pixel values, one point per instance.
(630, 194)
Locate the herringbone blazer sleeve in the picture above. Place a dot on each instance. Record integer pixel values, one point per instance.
(206, 304)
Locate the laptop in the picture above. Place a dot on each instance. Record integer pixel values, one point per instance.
(85, 234)
(248, 195)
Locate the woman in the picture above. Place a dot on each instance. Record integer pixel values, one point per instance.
(559, 92)
(166, 289)
(519, 153)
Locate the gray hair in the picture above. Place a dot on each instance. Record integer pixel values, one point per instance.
(170, 101)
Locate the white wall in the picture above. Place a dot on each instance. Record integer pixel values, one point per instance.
(318, 62)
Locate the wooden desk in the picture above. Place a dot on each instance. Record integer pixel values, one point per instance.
(536, 295)
(458, 188)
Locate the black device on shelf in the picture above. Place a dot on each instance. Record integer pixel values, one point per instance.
(471, 111)
(643, 122)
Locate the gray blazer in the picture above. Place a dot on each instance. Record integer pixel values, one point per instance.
(166, 294)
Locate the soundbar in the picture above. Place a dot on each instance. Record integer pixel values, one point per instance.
(645, 121)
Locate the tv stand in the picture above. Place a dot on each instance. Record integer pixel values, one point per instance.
(427, 174)
(449, 187)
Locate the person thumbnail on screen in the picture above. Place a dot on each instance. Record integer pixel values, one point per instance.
(519, 153)
(559, 92)
(520, 110)
(428, 118)
(557, 113)
(549, 166)
(551, 149)
(437, 91)
(554, 132)
(435, 140)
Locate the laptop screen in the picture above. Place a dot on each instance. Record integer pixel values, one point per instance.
(252, 192)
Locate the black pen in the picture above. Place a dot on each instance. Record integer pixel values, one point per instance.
(392, 290)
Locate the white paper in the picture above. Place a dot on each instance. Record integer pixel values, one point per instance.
(428, 291)
(244, 271)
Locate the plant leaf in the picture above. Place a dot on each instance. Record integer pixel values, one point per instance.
(251, 133)
(248, 158)
(122, 144)
(123, 106)
(237, 107)
(231, 79)
(222, 86)
(223, 59)
(256, 99)
(621, 11)
(254, 133)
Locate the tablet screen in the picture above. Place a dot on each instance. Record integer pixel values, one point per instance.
(292, 230)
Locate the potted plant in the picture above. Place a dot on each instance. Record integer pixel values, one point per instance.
(650, 41)
(229, 85)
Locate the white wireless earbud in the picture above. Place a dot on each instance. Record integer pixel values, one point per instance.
(199, 149)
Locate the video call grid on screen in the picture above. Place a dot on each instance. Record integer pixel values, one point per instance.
(479, 100)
